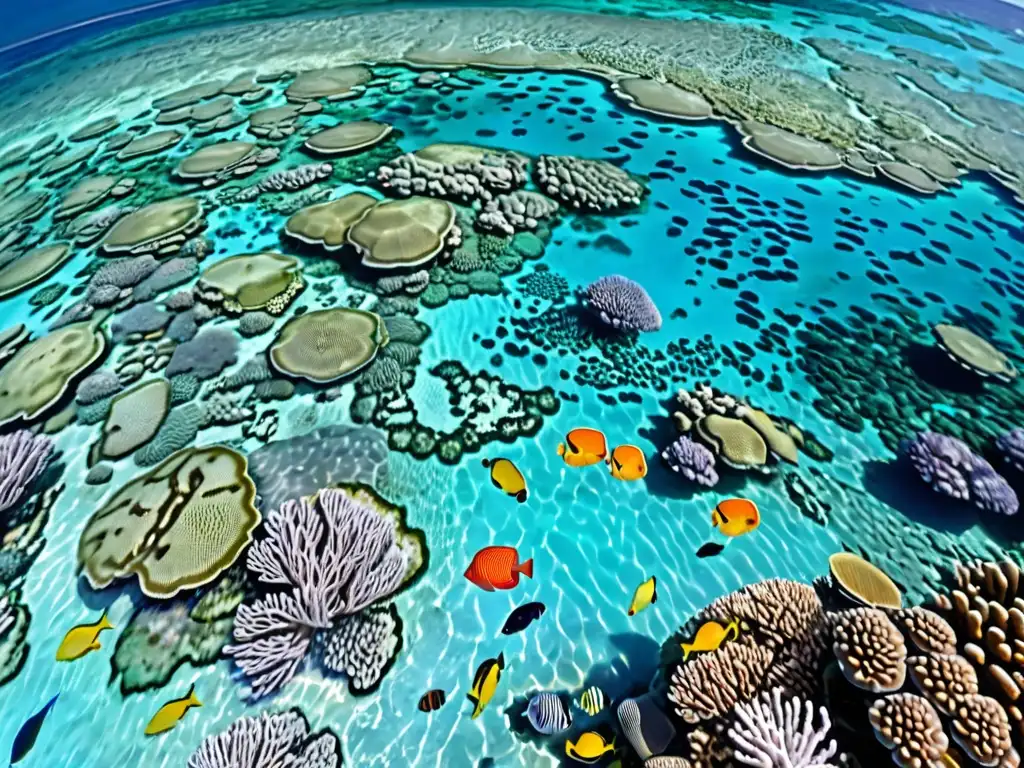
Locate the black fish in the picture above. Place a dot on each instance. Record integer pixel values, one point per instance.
(432, 700)
(27, 734)
(522, 617)
(710, 549)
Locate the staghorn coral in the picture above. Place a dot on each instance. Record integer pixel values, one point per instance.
(943, 679)
(268, 740)
(950, 468)
(984, 607)
(363, 646)
(769, 733)
(332, 557)
(712, 684)
(589, 185)
(23, 456)
(910, 727)
(692, 460)
(870, 649)
(622, 304)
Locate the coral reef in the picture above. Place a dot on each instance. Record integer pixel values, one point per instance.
(459, 172)
(268, 740)
(692, 460)
(623, 304)
(769, 733)
(321, 560)
(23, 456)
(587, 185)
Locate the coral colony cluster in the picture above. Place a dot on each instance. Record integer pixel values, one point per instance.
(264, 325)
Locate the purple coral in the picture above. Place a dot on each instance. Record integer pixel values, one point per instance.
(949, 466)
(22, 458)
(695, 462)
(336, 556)
(267, 741)
(1011, 447)
(622, 303)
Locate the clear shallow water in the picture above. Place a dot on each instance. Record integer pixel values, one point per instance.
(593, 538)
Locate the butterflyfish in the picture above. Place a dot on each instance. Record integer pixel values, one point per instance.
(522, 617)
(485, 683)
(170, 713)
(26, 737)
(507, 478)
(498, 568)
(589, 747)
(710, 637)
(583, 446)
(82, 639)
(644, 595)
(548, 713)
(731, 517)
(628, 462)
(432, 700)
(592, 700)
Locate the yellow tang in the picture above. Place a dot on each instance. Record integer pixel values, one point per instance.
(170, 713)
(734, 517)
(82, 639)
(710, 636)
(485, 683)
(628, 463)
(645, 594)
(583, 446)
(589, 747)
(506, 477)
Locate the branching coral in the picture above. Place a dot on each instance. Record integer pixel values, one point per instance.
(268, 740)
(23, 456)
(713, 684)
(772, 733)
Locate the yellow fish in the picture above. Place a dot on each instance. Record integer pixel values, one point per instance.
(645, 594)
(506, 477)
(485, 683)
(583, 447)
(710, 636)
(82, 639)
(170, 713)
(589, 747)
(734, 517)
(628, 463)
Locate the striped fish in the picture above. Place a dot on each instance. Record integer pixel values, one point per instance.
(646, 727)
(548, 714)
(432, 700)
(593, 700)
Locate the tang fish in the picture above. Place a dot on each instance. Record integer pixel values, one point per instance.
(170, 713)
(628, 463)
(522, 617)
(485, 683)
(583, 446)
(506, 477)
(548, 713)
(82, 639)
(29, 732)
(498, 568)
(645, 594)
(432, 700)
(592, 700)
(710, 637)
(589, 747)
(734, 517)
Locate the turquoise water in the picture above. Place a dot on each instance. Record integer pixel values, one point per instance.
(593, 538)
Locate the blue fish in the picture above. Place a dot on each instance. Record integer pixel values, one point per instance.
(27, 734)
(548, 714)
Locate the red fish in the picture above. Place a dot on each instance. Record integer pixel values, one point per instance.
(498, 568)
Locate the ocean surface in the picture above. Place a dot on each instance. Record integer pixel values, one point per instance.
(593, 538)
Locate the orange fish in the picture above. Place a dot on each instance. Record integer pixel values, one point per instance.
(627, 463)
(732, 517)
(498, 568)
(583, 446)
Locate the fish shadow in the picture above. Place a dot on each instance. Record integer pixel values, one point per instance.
(897, 484)
(102, 599)
(932, 365)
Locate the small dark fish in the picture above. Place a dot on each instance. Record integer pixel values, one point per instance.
(432, 700)
(29, 732)
(710, 549)
(522, 617)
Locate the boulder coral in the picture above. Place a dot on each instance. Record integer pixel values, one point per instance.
(459, 172)
(587, 185)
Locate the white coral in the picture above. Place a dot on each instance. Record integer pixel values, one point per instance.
(770, 734)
